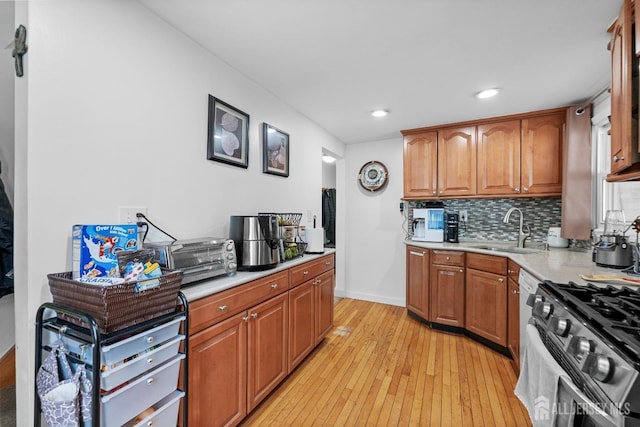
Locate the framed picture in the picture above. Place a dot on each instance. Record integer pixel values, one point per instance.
(228, 136)
(275, 149)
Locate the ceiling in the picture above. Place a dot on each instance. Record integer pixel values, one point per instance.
(335, 61)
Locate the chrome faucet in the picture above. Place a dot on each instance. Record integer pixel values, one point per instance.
(522, 234)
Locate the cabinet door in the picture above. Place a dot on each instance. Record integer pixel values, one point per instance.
(418, 281)
(513, 321)
(267, 350)
(499, 158)
(621, 90)
(301, 323)
(542, 150)
(457, 161)
(420, 165)
(486, 305)
(447, 295)
(324, 285)
(217, 387)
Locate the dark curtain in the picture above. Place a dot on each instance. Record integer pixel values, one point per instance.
(329, 216)
(6, 243)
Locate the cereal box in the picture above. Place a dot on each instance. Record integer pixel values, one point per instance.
(94, 248)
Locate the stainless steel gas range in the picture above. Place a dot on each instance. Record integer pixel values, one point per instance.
(593, 333)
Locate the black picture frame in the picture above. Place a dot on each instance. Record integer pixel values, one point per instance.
(228, 134)
(275, 151)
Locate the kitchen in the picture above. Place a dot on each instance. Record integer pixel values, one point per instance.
(85, 97)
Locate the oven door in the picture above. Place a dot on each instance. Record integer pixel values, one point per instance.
(575, 409)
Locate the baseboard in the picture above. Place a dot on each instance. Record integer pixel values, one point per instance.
(8, 368)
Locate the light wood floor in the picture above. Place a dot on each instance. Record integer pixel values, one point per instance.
(379, 367)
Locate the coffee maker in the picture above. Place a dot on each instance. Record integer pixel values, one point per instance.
(452, 223)
(257, 241)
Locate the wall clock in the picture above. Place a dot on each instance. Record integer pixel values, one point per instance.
(373, 176)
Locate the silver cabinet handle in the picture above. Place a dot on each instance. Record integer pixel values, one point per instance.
(501, 280)
(150, 381)
(223, 308)
(461, 271)
(416, 253)
(617, 159)
(274, 286)
(245, 318)
(517, 189)
(150, 340)
(515, 292)
(327, 263)
(525, 189)
(254, 315)
(150, 361)
(448, 258)
(305, 272)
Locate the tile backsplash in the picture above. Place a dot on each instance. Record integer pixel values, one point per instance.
(485, 216)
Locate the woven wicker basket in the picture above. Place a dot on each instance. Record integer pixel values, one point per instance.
(115, 307)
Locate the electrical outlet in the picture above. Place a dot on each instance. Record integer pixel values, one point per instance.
(463, 216)
(128, 214)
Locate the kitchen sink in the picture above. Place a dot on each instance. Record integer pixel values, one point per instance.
(509, 249)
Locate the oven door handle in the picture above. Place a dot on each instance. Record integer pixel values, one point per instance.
(586, 405)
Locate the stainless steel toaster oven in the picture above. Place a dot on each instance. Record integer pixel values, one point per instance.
(198, 259)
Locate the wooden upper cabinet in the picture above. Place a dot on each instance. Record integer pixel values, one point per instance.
(420, 165)
(457, 161)
(623, 148)
(541, 154)
(499, 158)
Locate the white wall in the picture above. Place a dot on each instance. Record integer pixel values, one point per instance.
(375, 252)
(112, 112)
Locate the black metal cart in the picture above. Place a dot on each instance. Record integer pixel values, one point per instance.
(93, 338)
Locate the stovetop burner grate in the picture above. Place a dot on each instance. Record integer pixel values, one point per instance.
(613, 312)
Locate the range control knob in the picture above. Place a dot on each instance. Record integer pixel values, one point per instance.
(579, 347)
(230, 246)
(533, 299)
(599, 366)
(543, 309)
(559, 326)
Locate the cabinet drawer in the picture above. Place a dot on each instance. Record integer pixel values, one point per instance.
(214, 308)
(447, 258)
(304, 272)
(489, 263)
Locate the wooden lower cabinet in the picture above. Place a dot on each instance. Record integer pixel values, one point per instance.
(267, 350)
(311, 316)
(486, 305)
(244, 341)
(418, 281)
(324, 305)
(447, 288)
(217, 388)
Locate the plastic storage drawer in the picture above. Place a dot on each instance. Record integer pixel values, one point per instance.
(121, 350)
(125, 403)
(144, 362)
(165, 412)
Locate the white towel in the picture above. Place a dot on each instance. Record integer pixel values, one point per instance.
(537, 386)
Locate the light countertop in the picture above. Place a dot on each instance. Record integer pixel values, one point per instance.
(557, 264)
(197, 290)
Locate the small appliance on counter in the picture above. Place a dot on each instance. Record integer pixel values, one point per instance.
(613, 250)
(198, 259)
(428, 224)
(453, 224)
(257, 241)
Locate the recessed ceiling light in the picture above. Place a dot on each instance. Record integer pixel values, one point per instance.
(488, 93)
(328, 159)
(379, 113)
